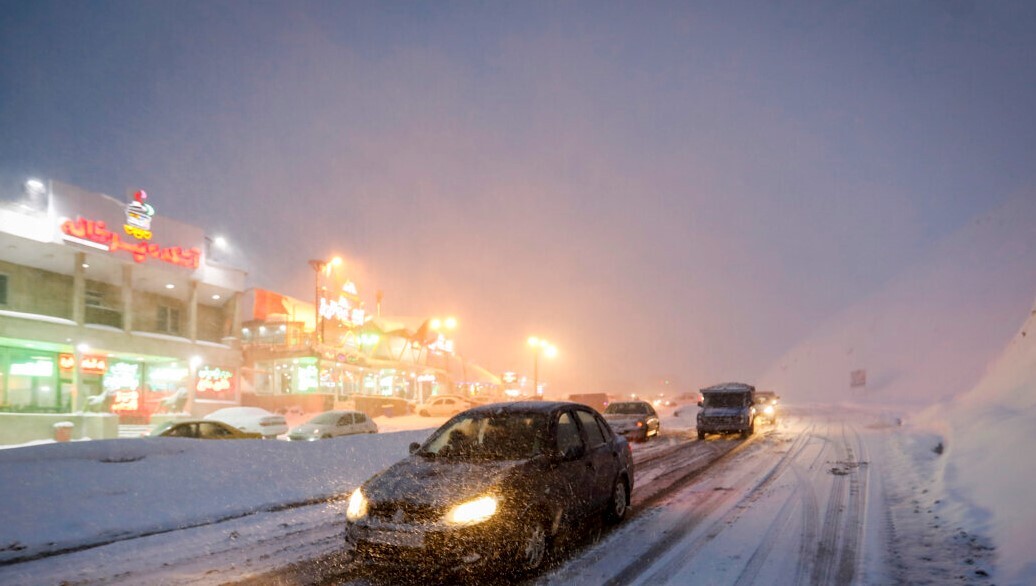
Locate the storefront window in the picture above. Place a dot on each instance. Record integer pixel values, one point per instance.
(31, 382)
(122, 386)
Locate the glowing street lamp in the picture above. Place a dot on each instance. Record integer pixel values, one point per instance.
(318, 267)
(539, 346)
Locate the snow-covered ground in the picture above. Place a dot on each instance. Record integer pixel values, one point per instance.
(169, 509)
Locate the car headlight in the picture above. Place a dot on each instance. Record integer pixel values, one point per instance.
(357, 508)
(768, 410)
(473, 511)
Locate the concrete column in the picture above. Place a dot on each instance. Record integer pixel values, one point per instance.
(234, 307)
(127, 298)
(79, 289)
(192, 312)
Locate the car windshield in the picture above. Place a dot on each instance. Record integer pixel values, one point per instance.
(724, 400)
(161, 428)
(626, 409)
(489, 436)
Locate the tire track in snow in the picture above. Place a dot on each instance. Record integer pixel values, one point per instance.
(699, 514)
(837, 549)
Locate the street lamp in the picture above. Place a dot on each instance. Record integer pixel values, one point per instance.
(318, 267)
(539, 345)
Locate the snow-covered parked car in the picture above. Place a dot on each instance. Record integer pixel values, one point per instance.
(443, 406)
(252, 419)
(331, 424)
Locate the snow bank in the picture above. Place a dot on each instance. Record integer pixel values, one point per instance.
(990, 434)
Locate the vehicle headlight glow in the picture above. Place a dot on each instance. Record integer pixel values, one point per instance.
(473, 511)
(768, 410)
(357, 508)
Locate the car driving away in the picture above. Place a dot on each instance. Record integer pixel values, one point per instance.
(637, 420)
(496, 486)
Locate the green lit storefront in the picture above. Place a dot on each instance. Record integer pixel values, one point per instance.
(309, 382)
(36, 377)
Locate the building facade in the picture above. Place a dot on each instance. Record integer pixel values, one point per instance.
(111, 307)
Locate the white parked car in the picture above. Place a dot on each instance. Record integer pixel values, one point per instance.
(252, 419)
(443, 406)
(331, 424)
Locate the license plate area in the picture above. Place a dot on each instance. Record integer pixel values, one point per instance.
(398, 538)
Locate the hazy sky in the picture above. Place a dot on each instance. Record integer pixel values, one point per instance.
(674, 189)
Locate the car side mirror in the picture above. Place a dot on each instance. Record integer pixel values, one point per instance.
(414, 446)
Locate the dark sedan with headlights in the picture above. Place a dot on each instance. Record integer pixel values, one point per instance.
(637, 420)
(496, 485)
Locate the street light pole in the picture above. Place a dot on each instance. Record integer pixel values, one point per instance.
(318, 324)
(539, 345)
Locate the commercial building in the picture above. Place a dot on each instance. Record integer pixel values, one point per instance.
(111, 307)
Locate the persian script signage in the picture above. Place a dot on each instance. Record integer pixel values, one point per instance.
(95, 233)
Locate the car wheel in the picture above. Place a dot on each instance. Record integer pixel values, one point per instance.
(619, 504)
(533, 548)
(424, 413)
(701, 435)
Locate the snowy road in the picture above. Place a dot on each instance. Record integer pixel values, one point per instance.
(826, 497)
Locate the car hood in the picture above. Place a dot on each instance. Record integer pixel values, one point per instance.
(722, 411)
(618, 417)
(437, 481)
(309, 428)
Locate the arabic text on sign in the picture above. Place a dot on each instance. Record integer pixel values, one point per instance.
(96, 231)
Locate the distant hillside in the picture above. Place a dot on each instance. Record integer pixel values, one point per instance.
(929, 334)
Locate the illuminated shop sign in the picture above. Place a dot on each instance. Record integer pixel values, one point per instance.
(214, 380)
(123, 381)
(37, 367)
(442, 344)
(87, 364)
(342, 310)
(95, 234)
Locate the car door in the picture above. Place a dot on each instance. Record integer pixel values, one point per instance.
(346, 425)
(574, 470)
(604, 461)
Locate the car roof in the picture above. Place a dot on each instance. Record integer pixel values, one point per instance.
(546, 407)
(729, 388)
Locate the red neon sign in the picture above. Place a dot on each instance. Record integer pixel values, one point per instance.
(87, 364)
(97, 231)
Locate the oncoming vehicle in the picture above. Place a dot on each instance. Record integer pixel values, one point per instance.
(637, 420)
(201, 429)
(494, 486)
(331, 424)
(727, 408)
(765, 403)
